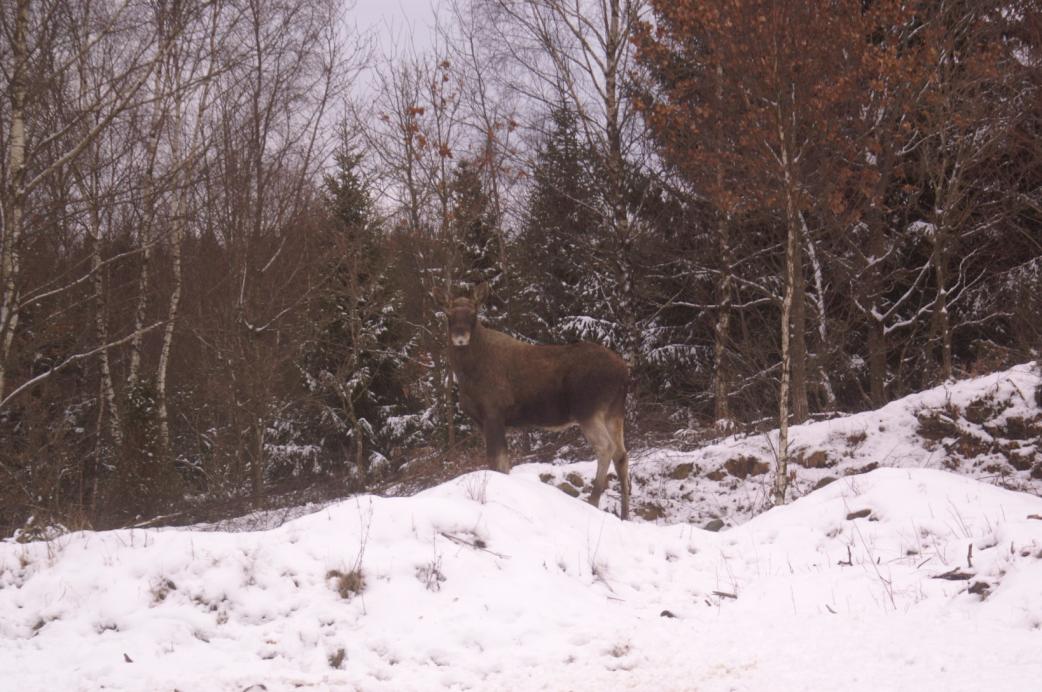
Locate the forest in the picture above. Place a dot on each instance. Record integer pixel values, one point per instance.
(224, 224)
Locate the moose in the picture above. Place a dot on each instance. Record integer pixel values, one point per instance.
(504, 382)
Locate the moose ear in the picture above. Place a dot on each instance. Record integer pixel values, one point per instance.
(480, 293)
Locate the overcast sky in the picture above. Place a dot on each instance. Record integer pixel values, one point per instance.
(393, 22)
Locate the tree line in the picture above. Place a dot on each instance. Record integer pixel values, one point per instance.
(224, 224)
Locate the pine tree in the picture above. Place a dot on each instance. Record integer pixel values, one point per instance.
(475, 233)
(560, 299)
(354, 364)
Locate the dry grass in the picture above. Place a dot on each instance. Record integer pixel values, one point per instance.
(336, 659)
(347, 584)
(430, 575)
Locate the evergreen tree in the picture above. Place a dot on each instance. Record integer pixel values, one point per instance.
(561, 297)
(477, 239)
(354, 365)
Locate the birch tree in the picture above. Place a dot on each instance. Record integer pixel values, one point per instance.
(581, 54)
(38, 150)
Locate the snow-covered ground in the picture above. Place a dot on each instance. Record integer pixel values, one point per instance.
(989, 428)
(893, 579)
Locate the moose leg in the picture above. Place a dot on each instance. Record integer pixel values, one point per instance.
(496, 445)
(597, 435)
(621, 461)
(622, 469)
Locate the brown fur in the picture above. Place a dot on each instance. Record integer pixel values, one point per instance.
(505, 383)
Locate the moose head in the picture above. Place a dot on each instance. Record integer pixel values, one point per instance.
(462, 315)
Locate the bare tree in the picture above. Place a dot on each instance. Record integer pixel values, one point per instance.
(266, 146)
(38, 151)
(417, 136)
(582, 55)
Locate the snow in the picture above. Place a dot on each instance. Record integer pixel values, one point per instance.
(696, 487)
(495, 582)
(922, 228)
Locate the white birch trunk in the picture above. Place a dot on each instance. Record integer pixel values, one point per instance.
(15, 194)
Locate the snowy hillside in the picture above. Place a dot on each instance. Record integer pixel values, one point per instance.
(989, 428)
(893, 579)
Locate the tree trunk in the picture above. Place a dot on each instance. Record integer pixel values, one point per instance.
(620, 224)
(781, 476)
(791, 301)
(257, 471)
(722, 332)
(724, 289)
(101, 328)
(15, 194)
(821, 372)
(876, 362)
(450, 406)
(876, 328)
(358, 434)
(943, 320)
(173, 307)
(800, 406)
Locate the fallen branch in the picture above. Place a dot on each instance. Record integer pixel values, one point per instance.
(469, 544)
(953, 575)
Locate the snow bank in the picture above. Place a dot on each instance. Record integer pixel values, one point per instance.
(988, 428)
(492, 582)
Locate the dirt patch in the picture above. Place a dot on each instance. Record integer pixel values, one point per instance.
(1021, 462)
(651, 511)
(823, 482)
(938, 425)
(1017, 428)
(968, 445)
(856, 439)
(818, 459)
(575, 479)
(568, 489)
(983, 409)
(682, 471)
(745, 466)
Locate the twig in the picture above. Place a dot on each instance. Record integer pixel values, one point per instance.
(155, 520)
(725, 594)
(475, 546)
(72, 359)
(953, 575)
